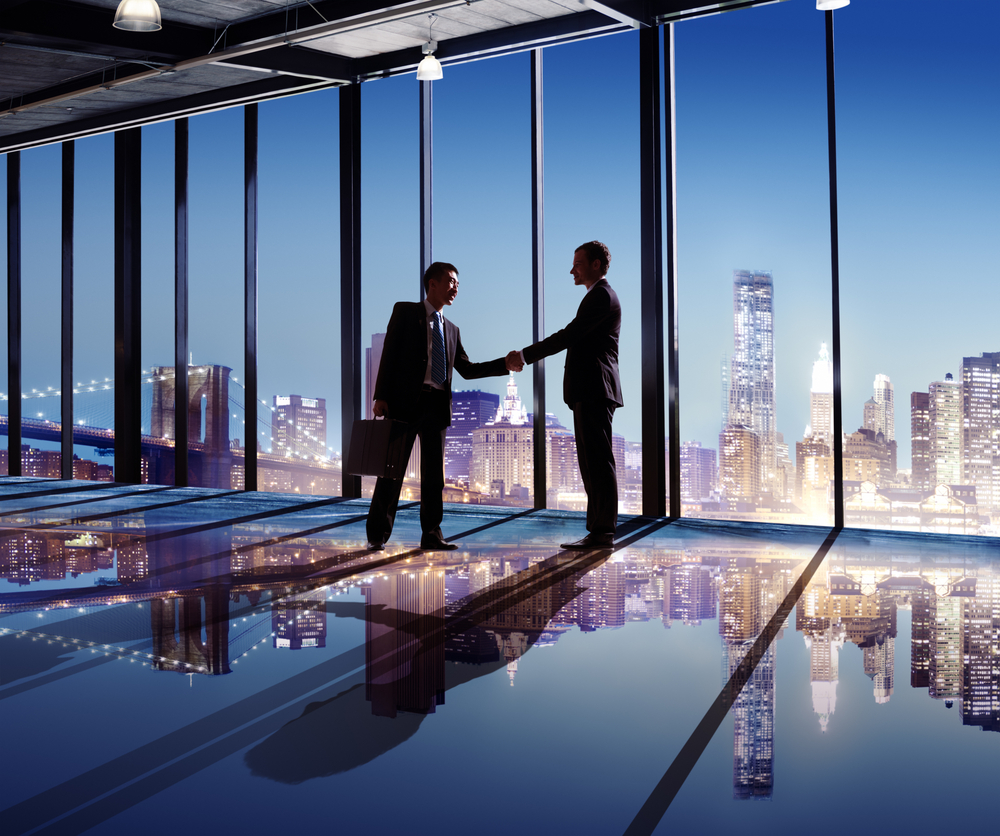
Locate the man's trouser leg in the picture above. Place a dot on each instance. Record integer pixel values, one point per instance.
(592, 426)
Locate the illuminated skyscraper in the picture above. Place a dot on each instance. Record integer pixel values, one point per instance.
(469, 411)
(751, 384)
(921, 461)
(821, 398)
(886, 407)
(981, 428)
(699, 471)
(739, 463)
(298, 426)
(945, 402)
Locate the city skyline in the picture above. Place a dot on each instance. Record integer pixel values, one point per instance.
(889, 278)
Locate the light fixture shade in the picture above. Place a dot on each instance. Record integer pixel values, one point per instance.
(429, 69)
(138, 16)
(830, 5)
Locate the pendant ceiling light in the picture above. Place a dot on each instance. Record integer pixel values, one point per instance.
(430, 68)
(138, 16)
(830, 5)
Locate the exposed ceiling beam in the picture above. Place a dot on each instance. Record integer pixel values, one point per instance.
(269, 87)
(634, 13)
(293, 60)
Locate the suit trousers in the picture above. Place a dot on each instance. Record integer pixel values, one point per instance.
(431, 406)
(592, 425)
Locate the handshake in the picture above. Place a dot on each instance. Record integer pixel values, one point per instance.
(514, 361)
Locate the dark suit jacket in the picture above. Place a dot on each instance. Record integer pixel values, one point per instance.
(591, 343)
(404, 362)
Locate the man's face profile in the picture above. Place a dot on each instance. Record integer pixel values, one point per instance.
(442, 291)
(585, 271)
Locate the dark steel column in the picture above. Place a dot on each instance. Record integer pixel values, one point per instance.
(838, 423)
(351, 358)
(128, 310)
(654, 485)
(181, 433)
(673, 323)
(250, 297)
(14, 385)
(538, 273)
(426, 179)
(66, 341)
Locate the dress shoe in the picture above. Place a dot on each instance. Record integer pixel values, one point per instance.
(376, 547)
(592, 541)
(433, 543)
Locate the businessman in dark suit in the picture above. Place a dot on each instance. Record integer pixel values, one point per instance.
(591, 387)
(420, 352)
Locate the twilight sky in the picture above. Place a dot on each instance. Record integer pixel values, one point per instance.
(918, 112)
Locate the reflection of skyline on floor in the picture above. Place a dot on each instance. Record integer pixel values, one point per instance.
(211, 594)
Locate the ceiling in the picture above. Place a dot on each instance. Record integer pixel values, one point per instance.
(66, 72)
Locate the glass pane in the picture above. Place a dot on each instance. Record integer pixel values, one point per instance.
(298, 432)
(41, 245)
(754, 266)
(216, 294)
(919, 177)
(390, 226)
(482, 224)
(93, 308)
(4, 402)
(158, 299)
(592, 193)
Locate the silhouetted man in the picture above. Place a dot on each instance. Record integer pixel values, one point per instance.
(591, 387)
(420, 351)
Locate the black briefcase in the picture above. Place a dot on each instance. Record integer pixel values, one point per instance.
(379, 448)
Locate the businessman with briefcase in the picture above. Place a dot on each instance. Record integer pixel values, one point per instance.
(420, 352)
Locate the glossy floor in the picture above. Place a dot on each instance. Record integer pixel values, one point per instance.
(230, 662)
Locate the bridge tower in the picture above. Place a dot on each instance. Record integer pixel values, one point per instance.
(208, 421)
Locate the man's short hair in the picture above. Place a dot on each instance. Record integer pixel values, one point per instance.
(438, 270)
(596, 251)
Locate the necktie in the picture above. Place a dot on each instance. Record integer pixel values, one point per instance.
(438, 368)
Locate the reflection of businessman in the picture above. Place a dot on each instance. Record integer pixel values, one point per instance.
(591, 387)
(414, 385)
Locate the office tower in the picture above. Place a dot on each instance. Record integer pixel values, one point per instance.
(699, 471)
(981, 428)
(886, 409)
(879, 660)
(469, 411)
(739, 463)
(753, 726)
(824, 669)
(945, 400)
(724, 377)
(689, 593)
(298, 426)
(404, 658)
(563, 474)
(981, 662)
(502, 454)
(945, 669)
(299, 621)
(821, 397)
(751, 382)
(921, 461)
(870, 419)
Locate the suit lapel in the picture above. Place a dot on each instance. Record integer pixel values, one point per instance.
(450, 332)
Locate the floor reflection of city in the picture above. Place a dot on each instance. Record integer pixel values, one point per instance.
(200, 600)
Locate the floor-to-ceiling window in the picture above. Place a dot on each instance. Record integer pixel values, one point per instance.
(157, 330)
(592, 193)
(754, 266)
(4, 390)
(482, 225)
(41, 196)
(390, 224)
(215, 375)
(93, 317)
(918, 122)
(298, 428)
